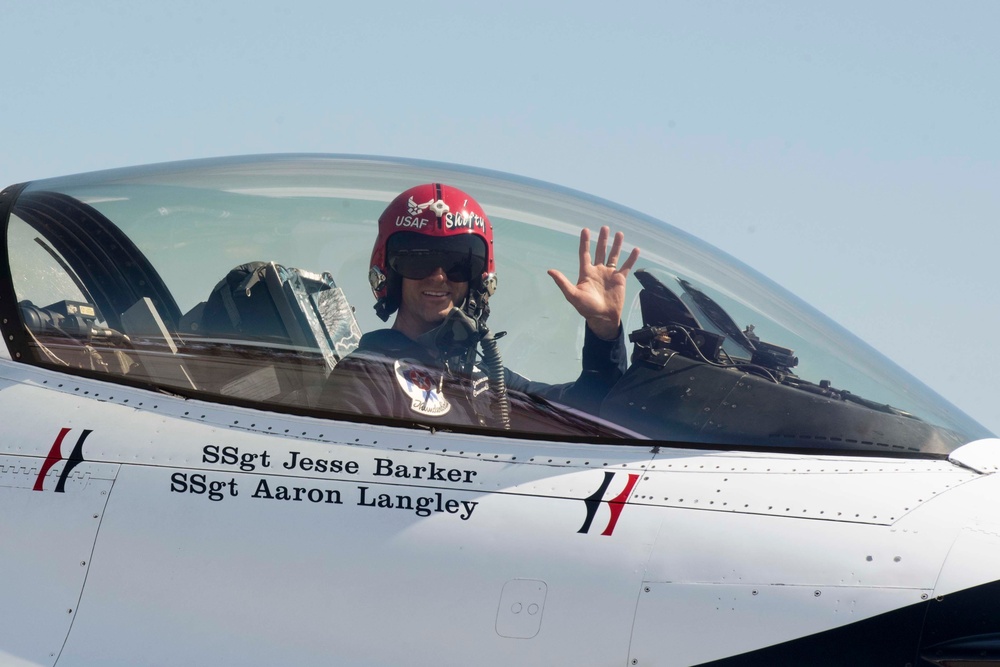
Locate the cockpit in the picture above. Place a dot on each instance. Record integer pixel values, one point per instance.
(245, 281)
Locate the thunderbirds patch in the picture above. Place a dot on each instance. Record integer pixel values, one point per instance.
(424, 393)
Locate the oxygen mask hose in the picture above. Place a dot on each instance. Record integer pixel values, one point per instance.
(494, 371)
(457, 337)
(478, 308)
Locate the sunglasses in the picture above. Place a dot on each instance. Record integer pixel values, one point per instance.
(458, 266)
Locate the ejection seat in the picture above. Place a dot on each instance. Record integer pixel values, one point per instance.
(270, 333)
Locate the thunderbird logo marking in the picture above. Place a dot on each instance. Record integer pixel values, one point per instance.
(616, 504)
(55, 456)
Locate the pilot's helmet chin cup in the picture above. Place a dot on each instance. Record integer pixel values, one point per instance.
(426, 227)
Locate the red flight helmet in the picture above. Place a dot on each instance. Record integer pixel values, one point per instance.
(431, 224)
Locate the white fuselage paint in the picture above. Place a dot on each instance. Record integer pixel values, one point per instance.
(194, 533)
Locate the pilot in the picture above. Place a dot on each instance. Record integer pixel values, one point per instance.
(433, 266)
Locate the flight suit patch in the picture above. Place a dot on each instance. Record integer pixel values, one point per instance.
(418, 385)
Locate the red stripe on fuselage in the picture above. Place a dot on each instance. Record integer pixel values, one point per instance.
(618, 504)
(54, 457)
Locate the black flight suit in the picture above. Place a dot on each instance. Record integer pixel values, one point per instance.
(390, 375)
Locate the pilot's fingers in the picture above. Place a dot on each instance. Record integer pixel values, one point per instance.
(602, 246)
(584, 249)
(630, 262)
(616, 249)
(564, 283)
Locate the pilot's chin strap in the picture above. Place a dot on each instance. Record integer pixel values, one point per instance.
(457, 337)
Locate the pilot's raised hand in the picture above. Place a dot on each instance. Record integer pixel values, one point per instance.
(599, 292)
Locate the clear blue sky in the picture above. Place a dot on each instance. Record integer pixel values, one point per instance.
(848, 150)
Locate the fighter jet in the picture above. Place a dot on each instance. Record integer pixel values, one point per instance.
(759, 487)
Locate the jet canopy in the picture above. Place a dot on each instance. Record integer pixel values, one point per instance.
(246, 281)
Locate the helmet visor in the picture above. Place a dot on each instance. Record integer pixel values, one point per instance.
(417, 256)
